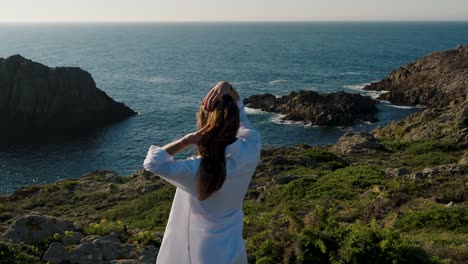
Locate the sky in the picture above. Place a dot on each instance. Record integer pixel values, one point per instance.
(231, 10)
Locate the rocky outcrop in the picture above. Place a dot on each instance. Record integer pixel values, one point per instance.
(38, 100)
(33, 229)
(434, 80)
(333, 109)
(435, 124)
(357, 142)
(74, 247)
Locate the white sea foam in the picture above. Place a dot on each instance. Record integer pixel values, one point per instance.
(159, 79)
(252, 111)
(278, 119)
(406, 106)
(241, 82)
(352, 73)
(277, 81)
(359, 88)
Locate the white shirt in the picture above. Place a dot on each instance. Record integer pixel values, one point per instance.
(208, 231)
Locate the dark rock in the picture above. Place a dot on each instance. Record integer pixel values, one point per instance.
(72, 238)
(56, 253)
(86, 253)
(281, 180)
(25, 191)
(333, 109)
(148, 255)
(434, 80)
(397, 172)
(36, 100)
(357, 142)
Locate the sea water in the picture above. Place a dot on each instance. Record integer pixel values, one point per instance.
(163, 70)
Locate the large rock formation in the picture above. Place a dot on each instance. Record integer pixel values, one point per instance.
(38, 100)
(333, 109)
(434, 80)
(450, 123)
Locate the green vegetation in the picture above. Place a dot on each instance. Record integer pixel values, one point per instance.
(16, 254)
(339, 210)
(142, 213)
(104, 227)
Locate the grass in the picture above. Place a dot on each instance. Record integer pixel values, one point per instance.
(142, 213)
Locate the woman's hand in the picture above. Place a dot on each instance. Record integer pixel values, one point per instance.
(195, 137)
(215, 94)
(186, 141)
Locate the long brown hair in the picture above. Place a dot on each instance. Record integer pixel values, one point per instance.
(224, 123)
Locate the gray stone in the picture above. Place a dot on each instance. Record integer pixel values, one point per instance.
(33, 229)
(72, 238)
(148, 255)
(107, 249)
(357, 142)
(56, 253)
(86, 253)
(89, 239)
(397, 172)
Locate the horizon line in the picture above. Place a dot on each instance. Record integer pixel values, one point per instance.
(215, 21)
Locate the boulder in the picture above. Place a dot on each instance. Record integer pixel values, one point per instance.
(357, 142)
(397, 172)
(434, 80)
(36, 100)
(333, 109)
(56, 253)
(33, 229)
(86, 253)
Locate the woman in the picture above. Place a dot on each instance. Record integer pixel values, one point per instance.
(206, 219)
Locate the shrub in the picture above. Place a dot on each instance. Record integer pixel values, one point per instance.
(447, 218)
(431, 159)
(16, 254)
(370, 244)
(104, 227)
(70, 184)
(345, 183)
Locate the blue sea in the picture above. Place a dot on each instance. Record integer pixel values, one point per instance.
(163, 70)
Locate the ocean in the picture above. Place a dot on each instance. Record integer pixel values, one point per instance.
(163, 71)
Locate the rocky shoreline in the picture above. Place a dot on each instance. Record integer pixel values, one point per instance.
(333, 109)
(434, 80)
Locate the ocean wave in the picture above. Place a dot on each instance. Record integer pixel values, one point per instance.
(359, 88)
(277, 81)
(253, 111)
(278, 119)
(159, 79)
(406, 106)
(241, 82)
(353, 73)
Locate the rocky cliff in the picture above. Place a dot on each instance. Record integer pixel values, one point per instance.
(39, 100)
(333, 109)
(433, 80)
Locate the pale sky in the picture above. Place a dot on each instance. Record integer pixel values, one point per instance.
(230, 10)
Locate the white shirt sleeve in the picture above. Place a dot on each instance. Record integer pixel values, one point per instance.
(180, 173)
